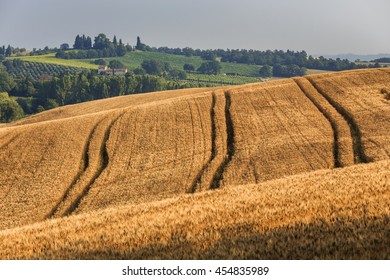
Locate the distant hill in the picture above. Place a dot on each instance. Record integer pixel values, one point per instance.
(354, 57)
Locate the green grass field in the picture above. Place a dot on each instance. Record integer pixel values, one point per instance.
(236, 80)
(51, 59)
(132, 60)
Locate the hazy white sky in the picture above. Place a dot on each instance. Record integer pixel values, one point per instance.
(317, 26)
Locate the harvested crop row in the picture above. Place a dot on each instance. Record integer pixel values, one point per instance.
(211, 173)
(39, 166)
(155, 151)
(327, 214)
(94, 163)
(357, 95)
(343, 146)
(277, 132)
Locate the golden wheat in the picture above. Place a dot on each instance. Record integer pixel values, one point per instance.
(358, 95)
(155, 151)
(343, 145)
(278, 132)
(141, 160)
(335, 214)
(38, 165)
(97, 106)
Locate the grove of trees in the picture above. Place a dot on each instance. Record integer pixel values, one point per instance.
(102, 47)
(10, 110)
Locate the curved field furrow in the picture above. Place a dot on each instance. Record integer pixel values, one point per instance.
(358, 96)
(358, 149)
(230, 143)
(95, 161)
(328, 214)
(134, 174)
(39, 166)
(343, 147)
(156, 150)
(272, 137)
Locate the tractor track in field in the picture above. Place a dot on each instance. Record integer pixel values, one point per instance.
(67, 205)
(211, 174)
(358, 148)
(230, 144)
(333, 123)
(198, 179)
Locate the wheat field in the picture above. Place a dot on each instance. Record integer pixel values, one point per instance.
(295, 168)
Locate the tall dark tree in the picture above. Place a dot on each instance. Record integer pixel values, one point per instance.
(77, 43)
(88, 43)
(140, 46)
(83, 41)
(115, 41)
(8, 51)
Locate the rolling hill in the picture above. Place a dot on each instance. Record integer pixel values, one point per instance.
(295, 168)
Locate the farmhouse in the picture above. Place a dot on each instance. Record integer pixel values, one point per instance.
(104, 70)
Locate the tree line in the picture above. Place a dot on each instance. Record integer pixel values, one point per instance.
(102, 47)
(35, 96)
(268, 57)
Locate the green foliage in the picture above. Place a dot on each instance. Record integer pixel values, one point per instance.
(6, 81)
(100, 62)
(265, 71)
(140, 46)
(208, 55)
(116, 64)
(139, 71)
(211, 68)
(9, 109)
(155, 67)
(188, 67)
(220, 80)
(177, 74)
(20, 69)
(288, 71)
(382, 60)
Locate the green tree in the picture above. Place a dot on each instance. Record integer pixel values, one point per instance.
(100, 61)
(265, 71)
(10, 110)
(6, 82)
(64, 46)
(8, 51)
(188, 67)
(115, 41)
(120, 50)
(140, 46)
(102, 42)
(116, 64)
(154, 67)
(210, 68)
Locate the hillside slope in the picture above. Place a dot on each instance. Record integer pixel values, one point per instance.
(339, 214)
(137, 151)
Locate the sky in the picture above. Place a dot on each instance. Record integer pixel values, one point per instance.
(317, 26)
